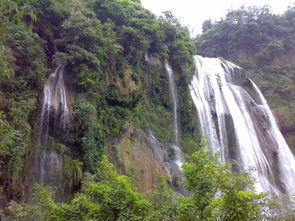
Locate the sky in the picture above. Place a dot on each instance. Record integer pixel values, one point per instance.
(192, 13)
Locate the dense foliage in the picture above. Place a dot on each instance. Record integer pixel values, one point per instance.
(217, 194)
(102, 44)
(22, 65)
(263, 44)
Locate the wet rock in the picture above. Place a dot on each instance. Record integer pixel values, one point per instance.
(142, 156)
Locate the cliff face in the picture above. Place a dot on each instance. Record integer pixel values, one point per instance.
(138, 156)
(146, 152)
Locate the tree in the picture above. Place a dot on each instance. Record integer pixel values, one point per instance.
(218, 194)
(11, 12)
(113, 198)
(171, 18)
(164, 201)
(206, 25)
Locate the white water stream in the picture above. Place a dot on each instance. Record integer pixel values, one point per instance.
(286, 161)
(47, 164)
(177, 150)
(54, 104)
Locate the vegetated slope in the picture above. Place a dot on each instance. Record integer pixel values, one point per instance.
(264, 45)
(103, 45)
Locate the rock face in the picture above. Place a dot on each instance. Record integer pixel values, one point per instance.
(135, 154)
(142, 156)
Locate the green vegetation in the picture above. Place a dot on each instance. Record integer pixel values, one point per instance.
(19, 102)
(102, 44)
(217, 194)
(263, 44)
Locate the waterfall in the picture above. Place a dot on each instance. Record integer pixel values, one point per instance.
(174, 101)
(286, 161)
(177, 151)
(47, 164)
(54, 105)
(256, 141)
(170, 164)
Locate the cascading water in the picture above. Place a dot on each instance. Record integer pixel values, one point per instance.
(47, 165)
(256, 141)
(54, 105)
(177, 151)
(286, 161)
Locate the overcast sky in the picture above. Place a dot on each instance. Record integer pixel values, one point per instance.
(192, 13)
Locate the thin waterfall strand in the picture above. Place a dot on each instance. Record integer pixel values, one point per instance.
(177, 151)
